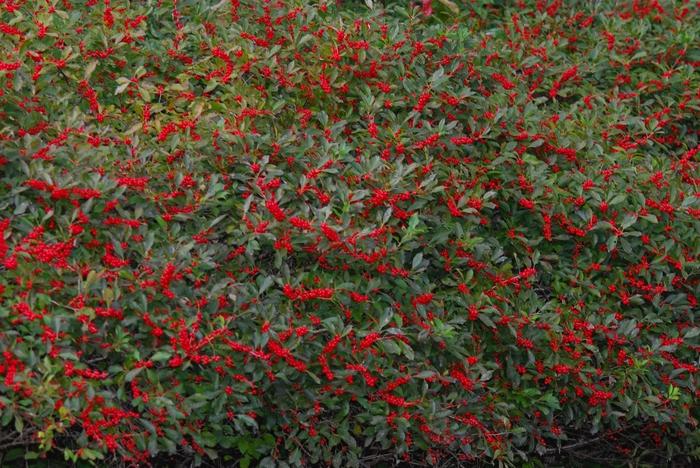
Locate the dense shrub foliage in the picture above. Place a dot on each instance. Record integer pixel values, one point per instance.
(289, 232)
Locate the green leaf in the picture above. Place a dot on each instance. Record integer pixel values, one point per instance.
(417, 259)
(487, 321)
(161, 356)
(248, 420)
(132, 374)
(19, 424)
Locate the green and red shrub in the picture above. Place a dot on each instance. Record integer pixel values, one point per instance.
(327, 232)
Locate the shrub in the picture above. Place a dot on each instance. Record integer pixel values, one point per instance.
(284, 233)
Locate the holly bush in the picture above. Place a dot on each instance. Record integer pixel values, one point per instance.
(289, 233)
